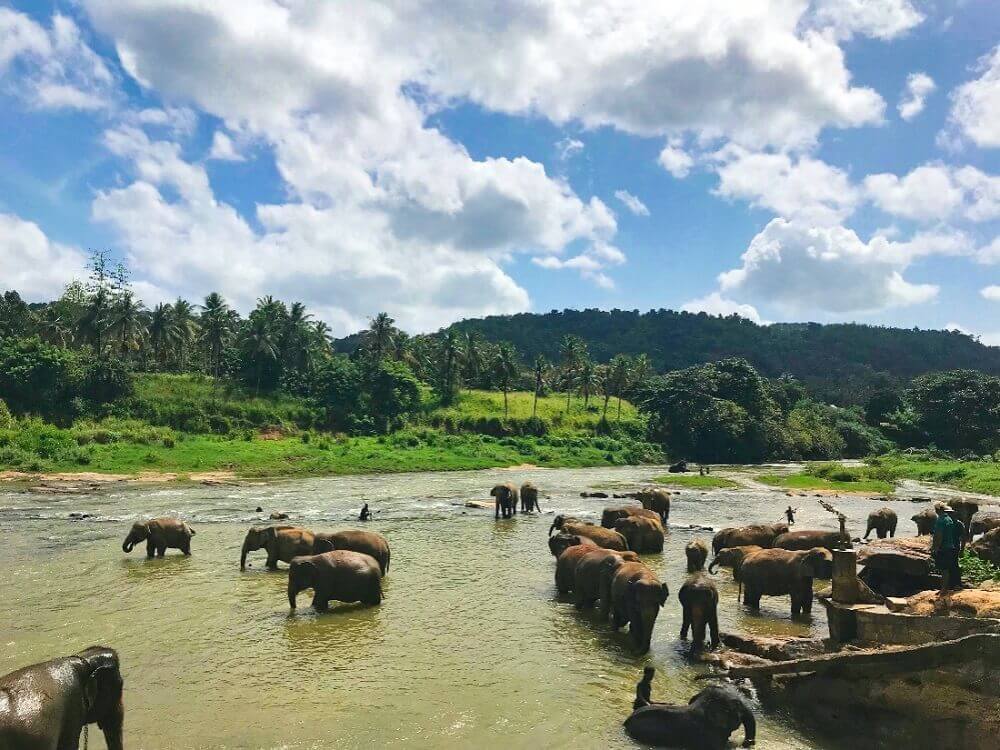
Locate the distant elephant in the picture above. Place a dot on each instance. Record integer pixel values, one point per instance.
(809, 538)
(506, 500)
(636, 598)
(696, 552)
(984, 521)
(763, 535)
(642, 534)
(159, 534)
(733, 557)
(342, 575)
(777, 572)
(603, 537)
(699, 600)
(680, 467)
(883, 521)
(529, 498)
(354, 540)
(281, 542)
(566, 566)
(46, 706)
(656, 500)
(593, 574)
(610, 515)
(705, 723)
(925, 521)
(563, 541)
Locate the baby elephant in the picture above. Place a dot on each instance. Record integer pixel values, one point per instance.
(159, 534)
(696, 552)
(883, 521)
(342, 575)
(700, 602)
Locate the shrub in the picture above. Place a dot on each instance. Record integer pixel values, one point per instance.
(6, 420)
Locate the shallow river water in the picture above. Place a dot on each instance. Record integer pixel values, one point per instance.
(471, 647)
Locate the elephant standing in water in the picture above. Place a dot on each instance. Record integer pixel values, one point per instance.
(354, 540)
(46, 706)
(563, 541)
(777, 572)
(656, 500)
(733, 557)
(700, 602)
(705, 723)
(611, 515)
(883, 521)
(159, 534)
(529, 498)
(696, 552)
(636, 598)
(281, 542)
(641, 534)
(762, 535)
(809, 538)
(606, 538)
(342, 575)
(593, 574)
(506, 500)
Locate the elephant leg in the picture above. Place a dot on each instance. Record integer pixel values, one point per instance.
(752, 599)
(685, 622)
(496, 510)
(617, 620)
(698, 632)
(272, 562)
(150, 549)
(161, 550)
(713, 628)
(186, 549)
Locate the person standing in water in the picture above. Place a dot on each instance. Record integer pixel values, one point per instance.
(790, 515)
(365, 513)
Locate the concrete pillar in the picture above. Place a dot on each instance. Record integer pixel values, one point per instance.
(845, 576)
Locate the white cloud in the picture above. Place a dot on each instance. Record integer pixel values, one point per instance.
(918, 87)
(991, 293)
(976, 105)
(223, 148)
(676, 160)
(51, 68)
(956, 327)
(802, 269)
(937, 192)
(803, 188)
(568, 147)
(881, 19)
(716, 304)
(32, 264)
(632, 203)
(990, 253)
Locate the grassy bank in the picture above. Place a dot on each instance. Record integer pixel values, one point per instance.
(696, 481)
(805, 481)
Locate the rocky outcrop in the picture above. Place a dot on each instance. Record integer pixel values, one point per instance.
(987, 547)
(897, 567)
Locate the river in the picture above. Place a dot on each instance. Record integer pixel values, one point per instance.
(470, 648)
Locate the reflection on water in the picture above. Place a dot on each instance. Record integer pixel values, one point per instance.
(470, 648)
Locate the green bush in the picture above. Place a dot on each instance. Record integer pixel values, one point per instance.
(6, 420)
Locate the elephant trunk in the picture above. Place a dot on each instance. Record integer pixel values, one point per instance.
(293, 592)
(127, 546)
(243, 555)
(111, 726)
(552, 528)
(711, 565)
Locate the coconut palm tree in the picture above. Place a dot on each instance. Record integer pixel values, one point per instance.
(296, 337)
(475, 362)
(572, 351)
(186, 327)
(620, 375)
(53, 326)
(127, 320)
(506, 367)
(161, 330)
(260, 344)
(451, 356)
(378, 339)
(586, 380)
(540, 369)
(216, 329)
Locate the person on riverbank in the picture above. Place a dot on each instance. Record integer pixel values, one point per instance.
(949, 533)
(365, 514)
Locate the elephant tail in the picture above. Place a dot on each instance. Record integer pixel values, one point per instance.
(388, 558)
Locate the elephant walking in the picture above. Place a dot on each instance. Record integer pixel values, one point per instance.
(529, 498)
(780, 572)
(636, 598)
(46, 706)
(696, 552)
(341, 575)
(355, 540)
(656, 500)
(159, 534)
(699, 600)
(883, 522)
(506, 500)
(281, 542)
(593, 574)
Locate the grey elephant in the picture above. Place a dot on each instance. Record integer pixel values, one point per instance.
(696, 552)
(733, 557)
(762, 535)
(593, 575)
(883, 522)
(642, 534)
(637, 596)
(355, 540)
(46, 706)
(781, 572)
(562, 541)
(656, 500)
(985, 521)
(925, 521)
(699, 600)
(529, 498)
(159, 535)
(809, 538)
(341, 575)
(506, 500)
(606, 538)
(705, 723)
(281, 542)
(610, 515)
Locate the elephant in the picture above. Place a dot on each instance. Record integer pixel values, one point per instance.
(883, 521)
(281, 542)
(733, 557)
(563, 541)
(777, 572)
(809, 538)
(696, 552)
(159, 533)
(641, 534)
(656, 500)
(610, 515)
(506, 500)
(985, 521)
(925, 521)
(699, 600)
(636, 598)
(763, 535)
(354, 540)
(46, 706)
(566, 566)
(342, 575)
(965, 509)
(705, 723)
(592, 577)
(602, 537)
(529, 498)
(680, 467)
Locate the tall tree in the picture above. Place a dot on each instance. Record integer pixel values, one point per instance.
(260, 344)
(572, 351)
(620, 378)
(506, 368)
(451, 365)
(216, 329)
(127, 321)
(378, 339)
(540, 370)
(186, 327)
(94, 321)
(587, 380)
(162, 331)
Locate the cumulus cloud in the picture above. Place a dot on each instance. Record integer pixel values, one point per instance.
(716, 304)
(799, 268)
(937, 192)
(632, 203)
(990, 253)
(880, 19)
(34, 265)
(51, 68)
(223, 148)
(676, 160)
(975, 108)
(991, 293)
(918, 87)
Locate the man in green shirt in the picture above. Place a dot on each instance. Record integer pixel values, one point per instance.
(949, 536)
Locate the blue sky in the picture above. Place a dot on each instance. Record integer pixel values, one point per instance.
(441, 160)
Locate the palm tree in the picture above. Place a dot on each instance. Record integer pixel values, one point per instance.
(53, 327)
(94, 320)
(186, 329)
(261, 343)
(161, 330)
(587, 380)
(572, 351)
(506, 367)
(606, 383)
(540, 369)
(640, 370)
(379, 337)
(126, 317)
(451, 363)
(295, 337)
(216, 329)
(474, 361)
(621, 372)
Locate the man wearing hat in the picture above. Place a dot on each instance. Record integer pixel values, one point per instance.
(949, 533)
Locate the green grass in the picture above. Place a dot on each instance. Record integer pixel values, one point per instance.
(804, 481)
(696, 481)
(976, 570)
(972, 476)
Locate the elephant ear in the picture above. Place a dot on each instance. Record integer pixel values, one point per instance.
(324, 545)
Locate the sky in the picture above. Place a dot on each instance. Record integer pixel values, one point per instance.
(795, 160)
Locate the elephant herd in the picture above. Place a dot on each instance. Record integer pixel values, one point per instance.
(506, 496)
